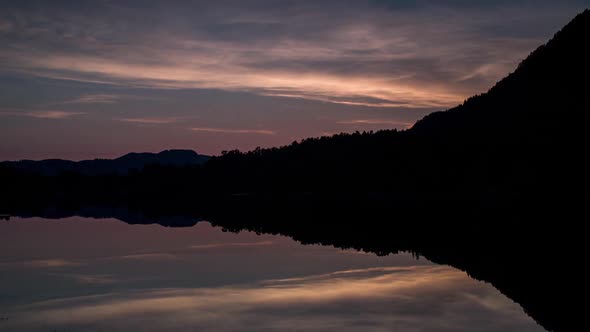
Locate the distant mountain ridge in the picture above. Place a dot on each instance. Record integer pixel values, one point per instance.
(121, 165)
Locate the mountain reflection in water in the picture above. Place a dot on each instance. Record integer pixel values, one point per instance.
(79, 274)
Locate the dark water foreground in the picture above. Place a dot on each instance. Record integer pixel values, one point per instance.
(520, 252)
(79, 274)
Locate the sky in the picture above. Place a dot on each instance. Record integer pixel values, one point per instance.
(97, 79)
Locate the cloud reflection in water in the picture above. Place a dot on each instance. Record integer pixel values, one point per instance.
(80, 274)
(413, 298)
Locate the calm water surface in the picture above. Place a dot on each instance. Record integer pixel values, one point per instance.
(81, 274)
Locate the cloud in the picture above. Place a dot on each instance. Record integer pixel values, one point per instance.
(376, 122)
(104, 98)
(42, 114)
(403, 99)
(94, 99)
(88, 278)
(52, 114)
(50, 263)
(233, 131)
(184, 74)
(149, 256)
(353, 53)
(5, 26)
(41, 263)
(151, 121)
(231, 245)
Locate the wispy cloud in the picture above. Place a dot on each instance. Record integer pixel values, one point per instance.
(56, 115)
(149, 256)
(88, 278)
(151, 121)
(376, 122)
(105, 98)
(233, 131)
(358, 55)
(53, 114)
(40, 263)
(94, 99)
(375, 91)
(231, 244)
(50, 263)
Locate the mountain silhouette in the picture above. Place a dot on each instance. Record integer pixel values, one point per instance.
(525, 135)
(527, 132)
(545, 93)
(122, 165)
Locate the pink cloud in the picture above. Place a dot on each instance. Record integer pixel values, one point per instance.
(233, 131)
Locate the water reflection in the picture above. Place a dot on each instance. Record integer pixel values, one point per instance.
(87, 275)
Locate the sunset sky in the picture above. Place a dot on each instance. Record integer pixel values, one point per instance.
(97, 79)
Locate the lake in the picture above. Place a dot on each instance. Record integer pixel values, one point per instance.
(78, 274)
